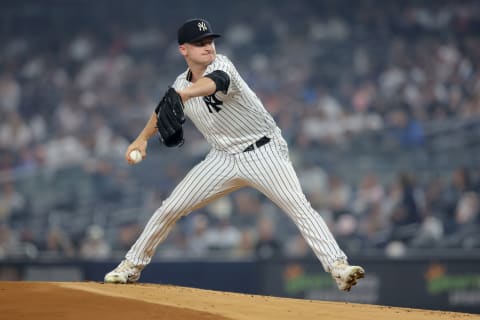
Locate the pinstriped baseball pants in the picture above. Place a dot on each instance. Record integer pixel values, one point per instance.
(267, 169)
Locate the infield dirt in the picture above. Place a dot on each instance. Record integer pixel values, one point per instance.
(91, 300)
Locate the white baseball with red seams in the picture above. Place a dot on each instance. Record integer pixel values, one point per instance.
(135, 156)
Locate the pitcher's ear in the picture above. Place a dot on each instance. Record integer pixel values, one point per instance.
(182, 49)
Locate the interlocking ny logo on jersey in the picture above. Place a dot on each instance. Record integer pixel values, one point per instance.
(213, 103)
(202, 26)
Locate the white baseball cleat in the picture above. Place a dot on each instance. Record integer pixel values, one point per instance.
(346, 275)
(125, 272)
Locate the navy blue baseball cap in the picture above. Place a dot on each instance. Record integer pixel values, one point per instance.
(195, 30)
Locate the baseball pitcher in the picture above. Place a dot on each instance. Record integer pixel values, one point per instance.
(247, 150)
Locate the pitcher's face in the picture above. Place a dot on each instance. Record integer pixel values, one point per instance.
(200, 52)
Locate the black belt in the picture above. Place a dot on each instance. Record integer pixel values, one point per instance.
(260, 142)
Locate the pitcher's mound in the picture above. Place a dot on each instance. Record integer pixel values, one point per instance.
(91, 301)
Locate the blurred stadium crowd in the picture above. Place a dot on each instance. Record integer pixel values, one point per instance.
(379, 100)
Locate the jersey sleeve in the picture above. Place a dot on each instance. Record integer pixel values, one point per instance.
(222, 63)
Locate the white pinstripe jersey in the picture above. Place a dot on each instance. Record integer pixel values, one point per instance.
(229, 122)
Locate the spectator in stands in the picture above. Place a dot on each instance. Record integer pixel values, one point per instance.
(57, 244)
(197, 236)
(339, 195)
(296, 247)
(246, 208)
(12, 202)
(94, 246)
(407, 211)
(245, 248)
(267, 246)
(369, 193)
(223, 237)
(8, 241)
(464, 230)
(127, 234)
(460, 183)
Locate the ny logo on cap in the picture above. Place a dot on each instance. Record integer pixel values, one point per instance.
(202, 26)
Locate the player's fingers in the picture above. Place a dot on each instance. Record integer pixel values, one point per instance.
(129, 160)
(142, 147)
(139, 145)
(127, 155)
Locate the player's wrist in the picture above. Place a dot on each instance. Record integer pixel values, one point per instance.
(141, 140)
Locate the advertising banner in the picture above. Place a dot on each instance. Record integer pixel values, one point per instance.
(440, 284)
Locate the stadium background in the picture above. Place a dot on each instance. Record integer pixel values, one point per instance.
(380, 103)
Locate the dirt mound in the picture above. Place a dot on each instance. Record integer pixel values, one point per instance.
(89, 300)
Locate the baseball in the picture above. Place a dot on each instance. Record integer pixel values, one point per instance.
(135, 156)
